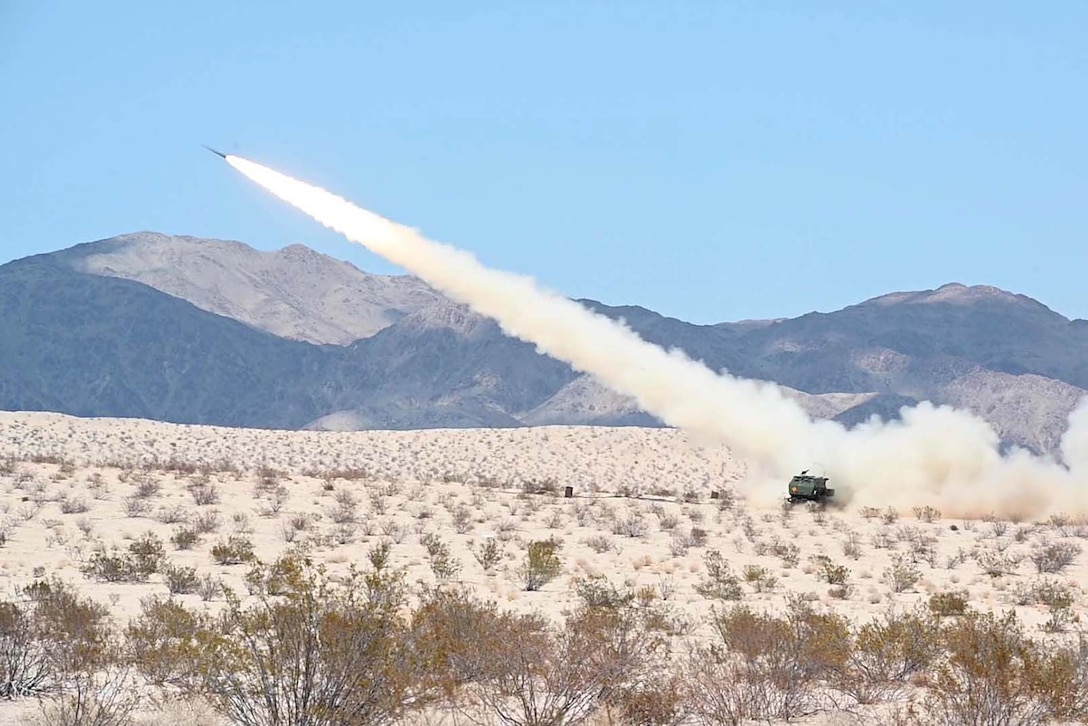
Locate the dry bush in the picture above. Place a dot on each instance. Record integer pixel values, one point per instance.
(347, 508)
(831, 573)
(147, 485)
(885, 653)
(234, 551)
(852, 546)
(524, 672)
(185, 538)
(175, 514)
(489, 554)
(760, 578)
(143, 558)
(103, 698)
(946, 604)
(1054, 557)
(51, 639)
(996, 563)
(720, 581)
(206, 522)
(901, 575)
(321, 653)
(995, 675)
(927, 514)
(167, 642)
(136, 506)
(180, 580)
(766, 668)
(73, 505)
(443, 564)
(631, 526)
(204, 494)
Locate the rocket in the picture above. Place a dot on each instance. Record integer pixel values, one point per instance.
(220, 154)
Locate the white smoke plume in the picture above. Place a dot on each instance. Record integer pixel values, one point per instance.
(934, 456)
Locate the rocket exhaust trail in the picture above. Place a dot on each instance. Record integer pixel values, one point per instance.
(935, 455)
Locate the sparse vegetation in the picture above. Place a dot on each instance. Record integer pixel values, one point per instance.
(475, 649)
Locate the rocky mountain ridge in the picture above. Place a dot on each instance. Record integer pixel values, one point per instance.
(209, 331)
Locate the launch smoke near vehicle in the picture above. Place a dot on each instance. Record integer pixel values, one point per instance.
(933, 455)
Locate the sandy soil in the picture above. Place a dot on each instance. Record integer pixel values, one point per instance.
(642, 513)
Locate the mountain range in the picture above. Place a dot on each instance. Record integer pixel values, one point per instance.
(192, 330)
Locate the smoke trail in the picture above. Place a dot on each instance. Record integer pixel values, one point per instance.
(935, 455)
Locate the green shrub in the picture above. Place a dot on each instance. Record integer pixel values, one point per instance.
(720, 582)
(542, 564)
(234, 551)
(945, 604)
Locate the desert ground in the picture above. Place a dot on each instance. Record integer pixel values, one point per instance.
(650, 511)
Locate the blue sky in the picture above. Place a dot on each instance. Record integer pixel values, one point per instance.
(710, 160)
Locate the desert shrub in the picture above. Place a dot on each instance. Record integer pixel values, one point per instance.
(209, 587)
(51, 639)
(630, 526)
(443, 564)
(73, 505)
(1054, 557)
(945, 604)
(831, 573)
(167, 642)
(885, 653)
(927, 514)
(322, 653)
(204, 494)
(667, 521)
(720, 582)
(206, 522)
(281, 575)
(347, 507)
(598, 591)
(994, 674)
(526, 671)
(147, 485)
(175, 514)
(454, 631)
(852, 546)
(760, 578)
(901, 575)
(488, 554)
(765, 668)
(102, 698)
(234, 551)
(996, 563)
(118, 565)
(462, 519)
(180, 580)
(1057, 596)
(788, 552)
(28, 668)
(274, 500)
(542, 564)
(148, 554)
(135, 506)
(185, 538)
(659, 701)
